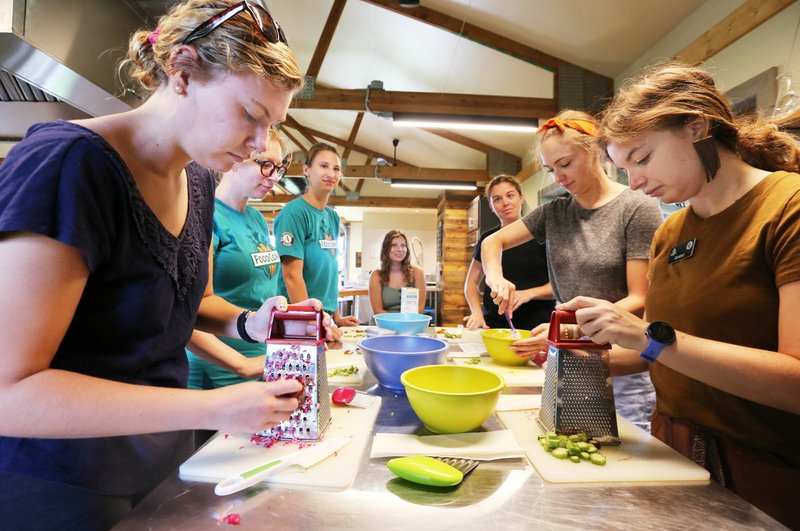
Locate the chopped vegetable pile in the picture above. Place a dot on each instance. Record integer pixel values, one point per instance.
(343, 371)
(575, 447)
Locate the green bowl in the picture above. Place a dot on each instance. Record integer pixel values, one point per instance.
(452, 398)
(497, 341)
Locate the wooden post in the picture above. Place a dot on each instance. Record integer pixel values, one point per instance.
(453, 254)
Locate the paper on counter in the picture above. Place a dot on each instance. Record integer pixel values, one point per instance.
(518, 402)
(469, 350)
(483, 446)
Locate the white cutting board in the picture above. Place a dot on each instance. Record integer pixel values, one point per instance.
(640, 458)
(467, 336)
(352, 334)
(529, 375)
(223, 457)
(345, 357)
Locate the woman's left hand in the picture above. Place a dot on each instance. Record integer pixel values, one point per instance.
(258, 324)
(349, 320)
(605, 322)
(518, 298)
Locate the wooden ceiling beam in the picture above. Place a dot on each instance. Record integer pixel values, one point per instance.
(406, 172)
(294, 140)
(325, 39)
(428, 102)
(363, 201)
(477, 34)
(360, 185)
(291, 122)
(460, 139)
(353, 133)
(739, 23)
(294, 124)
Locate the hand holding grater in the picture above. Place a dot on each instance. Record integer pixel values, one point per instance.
(292, 354)
(577, 395)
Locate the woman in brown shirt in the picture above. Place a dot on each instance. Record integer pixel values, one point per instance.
(719, 336)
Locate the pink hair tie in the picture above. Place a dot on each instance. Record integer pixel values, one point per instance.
(153, 37)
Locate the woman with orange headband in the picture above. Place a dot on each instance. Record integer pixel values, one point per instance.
(598, 242)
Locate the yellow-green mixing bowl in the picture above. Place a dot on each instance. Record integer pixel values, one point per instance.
(497, 341)
(452, 398)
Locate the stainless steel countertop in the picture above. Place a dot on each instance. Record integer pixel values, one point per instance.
(502, 495)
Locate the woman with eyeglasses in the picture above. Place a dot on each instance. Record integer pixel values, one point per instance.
(245, 267)
(105, 230)
(307, 232)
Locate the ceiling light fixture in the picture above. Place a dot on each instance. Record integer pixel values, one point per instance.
(432, 185)
(481, 123)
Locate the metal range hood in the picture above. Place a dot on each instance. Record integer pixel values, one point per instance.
(58, 59)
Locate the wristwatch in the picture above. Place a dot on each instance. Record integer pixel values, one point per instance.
(660, 335)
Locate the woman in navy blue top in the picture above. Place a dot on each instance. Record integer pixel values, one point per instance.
(105, 228)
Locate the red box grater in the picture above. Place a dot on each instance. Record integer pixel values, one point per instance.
(577, 395)
(293, 354)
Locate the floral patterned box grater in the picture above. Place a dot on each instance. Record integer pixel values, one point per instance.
(292, 353)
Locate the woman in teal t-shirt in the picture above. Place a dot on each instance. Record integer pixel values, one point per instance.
(245, 268)
(307, 230)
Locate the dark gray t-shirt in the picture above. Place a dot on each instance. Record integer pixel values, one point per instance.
(587, 250)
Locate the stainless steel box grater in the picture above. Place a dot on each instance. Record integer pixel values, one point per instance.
(301, 357)
(577, 395)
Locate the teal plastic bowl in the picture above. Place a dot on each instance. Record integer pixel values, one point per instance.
(404, 324)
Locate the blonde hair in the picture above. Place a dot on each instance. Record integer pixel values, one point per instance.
(585, 142)
(673, 94)
(275, 134)
(234, 46)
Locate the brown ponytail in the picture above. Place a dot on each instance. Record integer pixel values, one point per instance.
(673, 94)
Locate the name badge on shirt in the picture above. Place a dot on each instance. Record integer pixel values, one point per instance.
(327, 244)
(265, 258)
(682, 251)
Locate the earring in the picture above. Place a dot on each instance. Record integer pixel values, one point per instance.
(709, 156)
(179, 89)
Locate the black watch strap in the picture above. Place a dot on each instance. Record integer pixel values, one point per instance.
(240, 322)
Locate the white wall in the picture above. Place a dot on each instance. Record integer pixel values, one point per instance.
(354, 245)
(766, 46)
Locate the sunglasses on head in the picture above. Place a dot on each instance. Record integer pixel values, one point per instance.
(267, 25)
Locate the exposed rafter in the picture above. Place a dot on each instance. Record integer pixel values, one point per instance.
(294, 124)
(428, 102)
(353, 134)
(477, 34)
(325, 39)
(294, 140)
(461, 139)
(406, 172)
(740, 22)
(363, 201)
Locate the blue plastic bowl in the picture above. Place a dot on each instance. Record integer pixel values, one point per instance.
(390, 356)
(406, 324)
